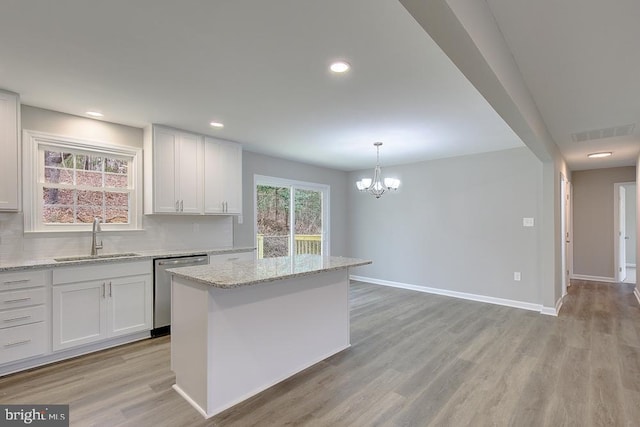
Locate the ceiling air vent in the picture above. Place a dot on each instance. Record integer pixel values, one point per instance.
(589, 135)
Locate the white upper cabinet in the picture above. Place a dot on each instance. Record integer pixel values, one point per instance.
(10, 158)
(173, 171)
(186, 173)
(222, 177)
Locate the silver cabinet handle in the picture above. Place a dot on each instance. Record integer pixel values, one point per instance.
(13, 282)
(17, 300)
(177, 205)
(179, 262)
(104, 294)
(12, 344)
(16, 319)
(110, 290)
(181, 205)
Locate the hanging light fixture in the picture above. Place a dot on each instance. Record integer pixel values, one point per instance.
(377, 186)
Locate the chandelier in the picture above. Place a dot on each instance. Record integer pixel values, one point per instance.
(377, 186)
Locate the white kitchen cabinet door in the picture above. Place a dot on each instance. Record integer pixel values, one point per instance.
(175, 171)
(10, 159)
(165, 143)
(189, 176)
(79, 314)
(130, 303)
(222, 177)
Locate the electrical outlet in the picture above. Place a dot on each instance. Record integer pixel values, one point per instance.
(528, 222)
(517, 276)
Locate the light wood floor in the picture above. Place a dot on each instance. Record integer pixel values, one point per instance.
(416, 360)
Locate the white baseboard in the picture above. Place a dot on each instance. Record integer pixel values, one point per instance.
(456, 294)
(594, 278)
(636, 292)
(553, 311)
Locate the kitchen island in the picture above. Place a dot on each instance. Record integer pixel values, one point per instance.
(239, 327)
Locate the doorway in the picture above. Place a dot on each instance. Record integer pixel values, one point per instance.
(625, 231)
(291, 217)
(566, 233)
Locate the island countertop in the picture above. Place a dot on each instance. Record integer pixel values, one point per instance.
(233, 274)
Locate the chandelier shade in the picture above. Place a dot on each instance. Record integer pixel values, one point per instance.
(377, 185)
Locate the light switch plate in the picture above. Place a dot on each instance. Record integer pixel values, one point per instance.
(527, 222)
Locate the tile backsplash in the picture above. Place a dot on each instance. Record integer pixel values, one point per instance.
(160, 232)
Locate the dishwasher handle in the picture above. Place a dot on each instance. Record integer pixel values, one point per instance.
(182, 261)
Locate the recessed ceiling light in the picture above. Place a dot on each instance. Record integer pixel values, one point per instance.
(217, 124)
(94, 114)
(598, 155)
(340, 67)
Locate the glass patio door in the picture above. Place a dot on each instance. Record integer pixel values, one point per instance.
(291, 217)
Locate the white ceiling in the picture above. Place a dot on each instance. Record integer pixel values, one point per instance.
(261, 67)
(579, 59)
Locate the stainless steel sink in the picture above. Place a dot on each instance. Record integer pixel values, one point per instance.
(89, 257)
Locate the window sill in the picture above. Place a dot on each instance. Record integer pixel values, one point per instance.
(44, 233)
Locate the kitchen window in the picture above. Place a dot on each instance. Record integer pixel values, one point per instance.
(69, 182)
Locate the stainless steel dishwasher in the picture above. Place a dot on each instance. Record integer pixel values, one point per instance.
(162, 289)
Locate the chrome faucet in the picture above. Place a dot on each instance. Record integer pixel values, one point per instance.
(94, 244)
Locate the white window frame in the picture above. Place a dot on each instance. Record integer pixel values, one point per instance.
(32, 141)
(295, 185)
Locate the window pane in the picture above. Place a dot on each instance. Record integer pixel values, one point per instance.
(57, 215)
(308, 222)
(118, 215)
(116, 181)
(58, 176)
(86, 214)
(57, 196)
(88, 163)
(116, 199)
(58, 159)
(116, 166)
(273, 221)
(90, 179)
(90, 198)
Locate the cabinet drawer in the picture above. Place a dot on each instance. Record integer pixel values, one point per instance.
(21, 342)
(110, 270)
(16, 299)
(22, 316)
(23, 279)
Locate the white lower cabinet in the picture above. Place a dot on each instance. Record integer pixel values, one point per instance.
(23, 315)
(104, 307)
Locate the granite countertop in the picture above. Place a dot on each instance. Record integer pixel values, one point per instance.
(233, 274)
(31, 264)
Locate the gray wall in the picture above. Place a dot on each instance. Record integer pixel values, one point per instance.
(593, 219)
(258, 164)
(631, 223)
(57, 123)
(455, 224)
